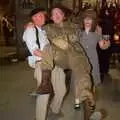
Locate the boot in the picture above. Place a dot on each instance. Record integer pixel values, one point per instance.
(45, 86)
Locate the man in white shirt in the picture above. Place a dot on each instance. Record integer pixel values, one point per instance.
(41, 59)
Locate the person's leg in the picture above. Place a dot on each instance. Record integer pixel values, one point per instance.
(105, 61)
(42, 99)
(103, 57)
(41, 106)
(83, 88)
(96, 72)
(108, 54)
(38, 73)
(68, 74)
(45, 67)
(81, 78)
(58, 82)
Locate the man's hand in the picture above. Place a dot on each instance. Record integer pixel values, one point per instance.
(29, 25)
(38, 53)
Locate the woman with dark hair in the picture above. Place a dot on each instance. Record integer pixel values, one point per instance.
(89, 40)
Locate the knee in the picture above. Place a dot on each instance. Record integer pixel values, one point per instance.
(63, 93)
(60, 92)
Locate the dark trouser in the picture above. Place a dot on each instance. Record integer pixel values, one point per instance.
(104, 56)
(68, 73)
(104, 61)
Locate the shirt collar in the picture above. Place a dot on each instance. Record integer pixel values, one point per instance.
(40, 28)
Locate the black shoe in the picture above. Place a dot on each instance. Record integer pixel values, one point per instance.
(92, 107)
(77, 106)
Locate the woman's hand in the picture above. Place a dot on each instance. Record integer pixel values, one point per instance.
(104, 44)
(98, 30)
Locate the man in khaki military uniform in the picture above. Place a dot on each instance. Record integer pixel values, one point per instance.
(68, 53)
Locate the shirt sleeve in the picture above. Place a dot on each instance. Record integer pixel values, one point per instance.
(29, 36)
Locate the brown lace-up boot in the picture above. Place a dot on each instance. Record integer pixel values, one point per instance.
(45, 86)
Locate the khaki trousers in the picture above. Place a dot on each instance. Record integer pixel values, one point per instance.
(58, 82)
(59, 87)
(41, 100)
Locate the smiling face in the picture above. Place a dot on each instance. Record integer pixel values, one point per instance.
(39, 18)
(57, 15)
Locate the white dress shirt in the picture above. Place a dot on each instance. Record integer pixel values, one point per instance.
(29, 36)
